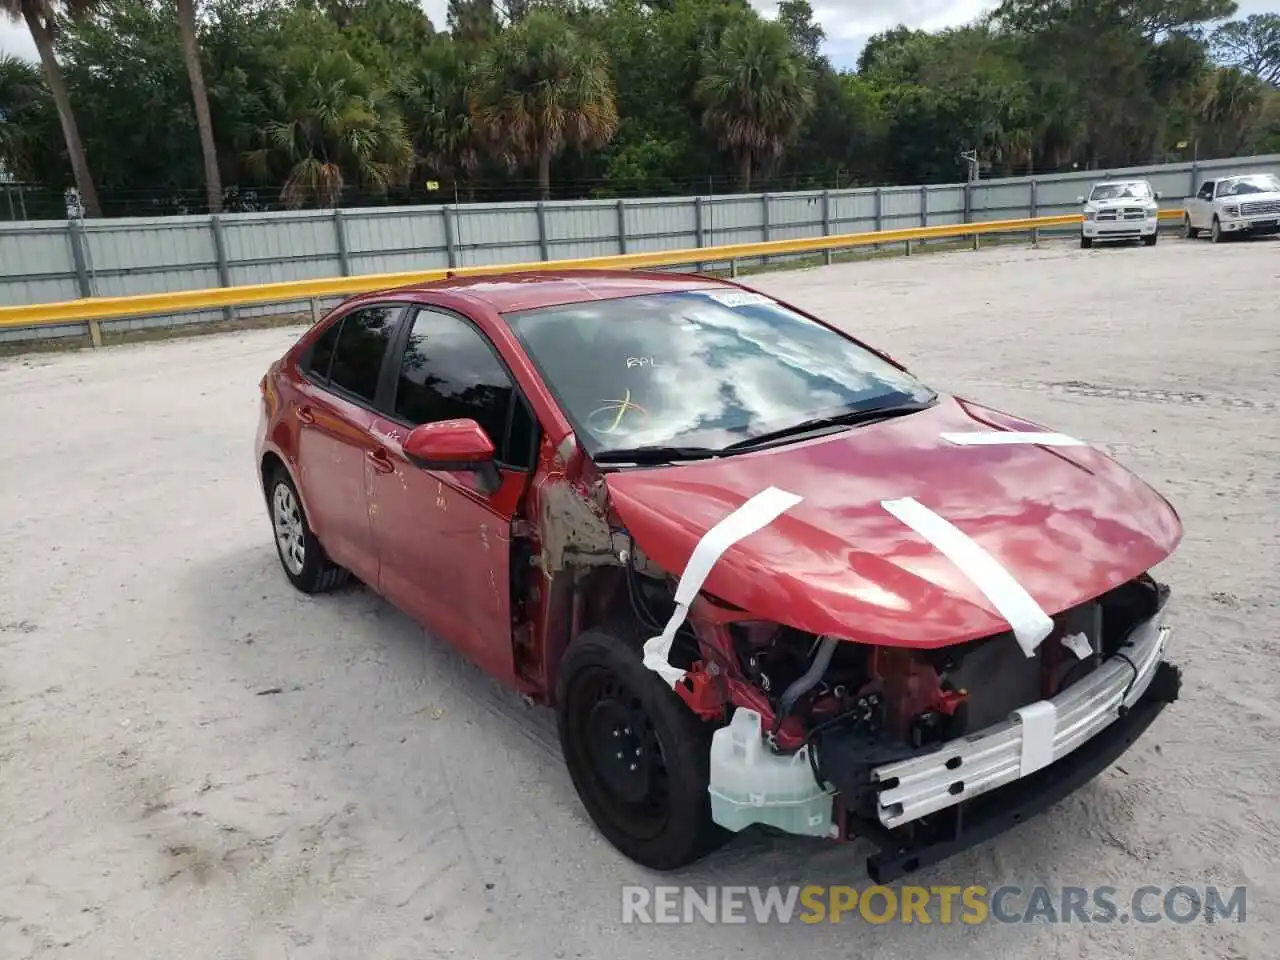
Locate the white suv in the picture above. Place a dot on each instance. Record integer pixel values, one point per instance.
(1244, 205)
(1120, 210)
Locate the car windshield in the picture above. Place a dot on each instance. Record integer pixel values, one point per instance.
(702, 368)
(1120, 191)
(1258, 183)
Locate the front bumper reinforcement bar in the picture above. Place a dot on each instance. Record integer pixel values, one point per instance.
(987, 759)
(978, 820)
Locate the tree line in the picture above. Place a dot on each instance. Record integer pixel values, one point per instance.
(159, 106)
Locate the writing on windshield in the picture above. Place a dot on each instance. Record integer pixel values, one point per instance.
(701, 368)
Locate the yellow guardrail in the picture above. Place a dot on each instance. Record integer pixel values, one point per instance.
(92, 309)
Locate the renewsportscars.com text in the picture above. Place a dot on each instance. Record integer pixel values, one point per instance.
(945, 905)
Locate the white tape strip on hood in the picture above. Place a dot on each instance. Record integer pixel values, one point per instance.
(758, 512)
(1030, 623)
(1004, 437)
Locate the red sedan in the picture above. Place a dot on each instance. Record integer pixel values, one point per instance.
(763, 573)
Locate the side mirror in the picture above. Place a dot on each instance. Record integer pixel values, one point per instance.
(1079, 199)
(1158, 194)
(454, 446)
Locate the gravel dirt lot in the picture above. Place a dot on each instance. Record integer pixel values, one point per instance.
(197, 762)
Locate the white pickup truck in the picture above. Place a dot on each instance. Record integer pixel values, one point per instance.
(1243, 205)
(1120, 210)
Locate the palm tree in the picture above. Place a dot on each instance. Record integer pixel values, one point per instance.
(1227, 101)
(472, 21)
(445, 139)
(204, 122)
(755, 91)
(328, 124)
(541, 87)
(20, 92)
(41, 19)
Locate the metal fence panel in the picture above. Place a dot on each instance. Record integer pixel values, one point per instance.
(35, 263)
(396, 229)
(48, 261)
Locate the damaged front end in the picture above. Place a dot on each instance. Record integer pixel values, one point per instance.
(923, 749)
(923, 752)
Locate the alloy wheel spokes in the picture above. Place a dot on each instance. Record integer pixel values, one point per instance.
(289, 531)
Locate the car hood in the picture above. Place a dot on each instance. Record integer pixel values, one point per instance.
(1119, 203)
(1270, 197)
(1068, 523)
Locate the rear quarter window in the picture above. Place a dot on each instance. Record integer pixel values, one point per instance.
(361, 348)
(320, 355)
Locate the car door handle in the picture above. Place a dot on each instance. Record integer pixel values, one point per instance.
(305, 415)
(378, 458)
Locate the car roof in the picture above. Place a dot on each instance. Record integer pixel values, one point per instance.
(506, 292)
(1116, 183)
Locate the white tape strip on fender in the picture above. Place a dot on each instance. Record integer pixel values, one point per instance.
(1039, 724)
(1030, 623)
(758, 512)
(1005, 437)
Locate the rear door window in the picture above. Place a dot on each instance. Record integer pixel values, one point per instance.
(361, 348)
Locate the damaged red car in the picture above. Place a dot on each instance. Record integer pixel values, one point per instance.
(763, 574)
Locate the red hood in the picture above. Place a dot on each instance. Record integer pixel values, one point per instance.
(1068, 523)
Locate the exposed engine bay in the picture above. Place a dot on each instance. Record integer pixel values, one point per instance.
(847, 708)
(918, 697)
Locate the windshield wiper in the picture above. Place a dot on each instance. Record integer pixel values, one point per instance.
(850, 418)
(654, 454)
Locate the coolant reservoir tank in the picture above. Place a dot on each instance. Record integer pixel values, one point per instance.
(752, 784)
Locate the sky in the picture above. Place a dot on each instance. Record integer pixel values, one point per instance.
(848, 22)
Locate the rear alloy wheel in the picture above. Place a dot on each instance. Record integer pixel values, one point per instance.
(1188, 231)
(638, 757)
(305, 563)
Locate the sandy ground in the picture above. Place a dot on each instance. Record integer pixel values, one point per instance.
(157, 800)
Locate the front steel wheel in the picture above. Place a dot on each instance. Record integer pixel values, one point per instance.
(638, 757)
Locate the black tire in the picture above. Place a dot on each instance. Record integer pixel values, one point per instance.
(1188, 230)
(1152, 239)
(1085, 242)
(1215, 232)
(316, 573)
(655, 810)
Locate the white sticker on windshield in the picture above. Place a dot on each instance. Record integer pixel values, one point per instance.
(739, 298)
